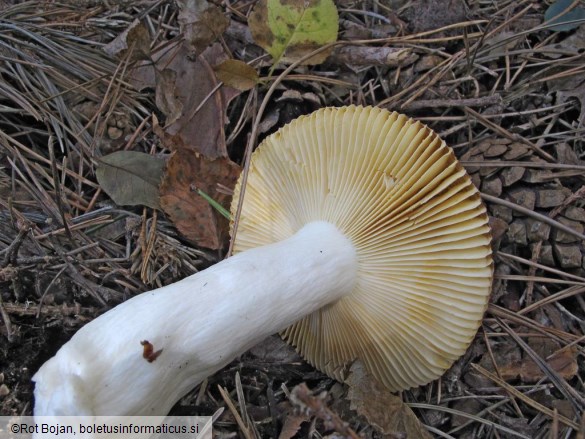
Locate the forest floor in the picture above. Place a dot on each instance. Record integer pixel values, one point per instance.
(80, 80)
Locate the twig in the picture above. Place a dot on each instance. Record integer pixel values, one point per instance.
(556, 334)
(373, 56)
(62, 310)
(437, 103)
(533, 214)
(12, 249)
(226, 397)
(529, 401)
(7, 322)
(576, 400)
(304, 401)
(542, 267)
(507, 164)
(505, 133)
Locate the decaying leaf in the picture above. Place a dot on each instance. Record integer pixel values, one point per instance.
(201, 23)
(563, 362)
(131, 178)
(193, 216)
(186, 92)
(290, 29)
(562, 17)
(135, 38)
(236, 74)
(579, 93)
(304, 401)
(291, 426)
(275, 350)
(166, 101)
(382, 409)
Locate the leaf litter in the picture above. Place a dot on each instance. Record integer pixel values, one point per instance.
(501, 89)
(196, 219)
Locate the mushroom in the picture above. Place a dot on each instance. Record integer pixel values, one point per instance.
(360, 237)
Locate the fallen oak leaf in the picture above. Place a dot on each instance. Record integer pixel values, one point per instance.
(384, 410)
(187, 173)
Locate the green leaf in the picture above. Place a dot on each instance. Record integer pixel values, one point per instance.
(131, 178)
(289, 29)
(563, 19)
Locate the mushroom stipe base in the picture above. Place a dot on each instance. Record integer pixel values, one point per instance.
(199, 325)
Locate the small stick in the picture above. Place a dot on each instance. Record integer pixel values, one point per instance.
(302, 398)
(437, 103)
(545, 219)
(226, 397)
(528, 401)
(7, 322)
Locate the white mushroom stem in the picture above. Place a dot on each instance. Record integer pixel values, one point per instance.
(201, 324)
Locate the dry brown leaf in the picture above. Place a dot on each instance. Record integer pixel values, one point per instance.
(167, 101)
(275, 350)
(236, 74)
(384, 410)
(135, 38)
(201, 23)
(564, 362)
(292, 424)
(195, 111)
(193, 216)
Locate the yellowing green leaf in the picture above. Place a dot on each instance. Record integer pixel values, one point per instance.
(290, 29)
(236, 74)
(131, 178)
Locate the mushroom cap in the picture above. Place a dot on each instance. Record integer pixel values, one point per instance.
(417, 222)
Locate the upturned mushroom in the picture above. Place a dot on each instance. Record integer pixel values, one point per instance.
(361, 237)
